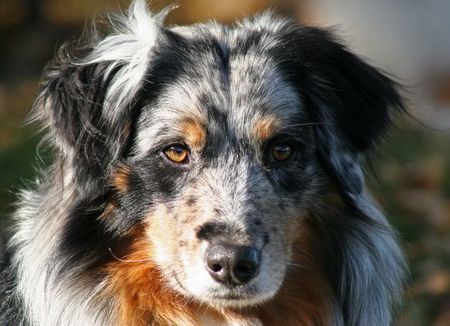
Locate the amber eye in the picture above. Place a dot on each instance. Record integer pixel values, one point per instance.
(281, 152)
(177, 153)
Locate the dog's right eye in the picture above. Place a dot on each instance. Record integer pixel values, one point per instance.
(177, 153)
(281, 152)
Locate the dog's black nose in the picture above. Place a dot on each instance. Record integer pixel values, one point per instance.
(232, 264)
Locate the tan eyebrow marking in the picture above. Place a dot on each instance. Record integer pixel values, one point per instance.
(265, 127)
(193, 130)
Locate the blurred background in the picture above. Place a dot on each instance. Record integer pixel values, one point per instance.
(407, 38)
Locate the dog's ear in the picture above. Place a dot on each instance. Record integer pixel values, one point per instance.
(89, 95)
(350, 102)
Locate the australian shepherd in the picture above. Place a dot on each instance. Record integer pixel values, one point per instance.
(205, 175)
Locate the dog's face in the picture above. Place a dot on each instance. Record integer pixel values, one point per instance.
(217, 141)
(225, 163)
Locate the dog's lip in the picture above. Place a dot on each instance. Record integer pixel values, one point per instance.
(229, 296)
(238, 300)
(232, 297)
(239, 294)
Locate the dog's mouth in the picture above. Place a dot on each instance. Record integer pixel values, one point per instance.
(227, 296)
(238, 298)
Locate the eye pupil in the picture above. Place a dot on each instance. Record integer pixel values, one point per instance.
(177, 153)
(281, 152)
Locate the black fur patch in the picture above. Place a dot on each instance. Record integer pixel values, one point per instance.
(351, 102)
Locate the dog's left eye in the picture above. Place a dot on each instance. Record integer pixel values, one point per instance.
(177, 153)
(281, 152)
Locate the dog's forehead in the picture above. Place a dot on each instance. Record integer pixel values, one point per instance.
(242, 94)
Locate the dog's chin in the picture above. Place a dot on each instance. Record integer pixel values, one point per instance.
(226, 297)
(240, 301)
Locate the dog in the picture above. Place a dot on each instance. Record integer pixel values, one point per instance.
(206, 175)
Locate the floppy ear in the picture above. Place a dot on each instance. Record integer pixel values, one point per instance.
(351, 102)
(88, 97)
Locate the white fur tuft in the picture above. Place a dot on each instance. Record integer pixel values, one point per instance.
(129, 47)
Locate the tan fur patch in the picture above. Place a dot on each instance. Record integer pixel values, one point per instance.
(142, 298)
(194, 132)
(109, 210)
(120, 178)
(264, 128)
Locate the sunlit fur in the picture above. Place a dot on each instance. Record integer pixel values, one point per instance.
(115, 233)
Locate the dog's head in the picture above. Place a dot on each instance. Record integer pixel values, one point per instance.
(217, 141)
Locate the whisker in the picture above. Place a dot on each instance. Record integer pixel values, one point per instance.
(128, 260)
(295, 265)
(307, 124)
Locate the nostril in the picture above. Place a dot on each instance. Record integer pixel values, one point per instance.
(216, 268)
(246, 265)
(217, 259)
(244, 268)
